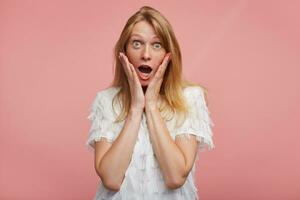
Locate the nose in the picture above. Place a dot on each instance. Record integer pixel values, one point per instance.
(146, 54)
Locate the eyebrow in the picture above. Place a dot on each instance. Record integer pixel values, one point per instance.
(136, 34)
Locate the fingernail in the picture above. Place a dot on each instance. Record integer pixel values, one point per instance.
(168, 55)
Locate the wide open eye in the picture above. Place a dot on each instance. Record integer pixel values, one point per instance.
(136, 44)
(157, 45)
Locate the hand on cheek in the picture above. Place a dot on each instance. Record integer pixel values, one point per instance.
(152, 93)
(137, 95)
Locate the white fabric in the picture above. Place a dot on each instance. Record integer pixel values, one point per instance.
(143, 178)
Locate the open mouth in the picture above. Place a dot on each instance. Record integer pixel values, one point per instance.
(144, 72)
(145, 69)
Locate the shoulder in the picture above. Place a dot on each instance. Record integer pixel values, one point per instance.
(194, 92)
(104, 98)
(107, 93)
(103, 101)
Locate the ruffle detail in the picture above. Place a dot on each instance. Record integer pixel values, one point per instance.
(102, 121)
(143, 173)
(144, 180)
(198, 121)
(143, 177)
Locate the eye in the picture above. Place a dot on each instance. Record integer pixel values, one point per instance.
(157, 45)
(136, 43)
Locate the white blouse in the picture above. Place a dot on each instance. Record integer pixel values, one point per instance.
(143, 178)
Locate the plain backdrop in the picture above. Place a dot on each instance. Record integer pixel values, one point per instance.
(56, 55)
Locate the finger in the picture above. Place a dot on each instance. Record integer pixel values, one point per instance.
(166, 61)
(127, 62)
(125, 65)
(133, 72)
(135, 76)
(162, 68)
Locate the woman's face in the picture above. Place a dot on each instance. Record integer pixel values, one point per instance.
(144, 51)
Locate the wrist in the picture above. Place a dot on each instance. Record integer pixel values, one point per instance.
(136, 111)
(151, 107)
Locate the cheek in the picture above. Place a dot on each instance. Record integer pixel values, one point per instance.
(159, 60)
(132, 56)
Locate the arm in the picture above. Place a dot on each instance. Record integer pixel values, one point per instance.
(112, 167)
(175, 159)
(112, 162)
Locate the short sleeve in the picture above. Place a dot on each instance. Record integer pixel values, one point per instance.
(198, 121)
(102, 122)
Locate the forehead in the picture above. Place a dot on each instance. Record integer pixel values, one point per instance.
(143, 29)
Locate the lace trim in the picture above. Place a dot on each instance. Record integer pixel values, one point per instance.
(198, 122)
(102, 126)
(143, 175)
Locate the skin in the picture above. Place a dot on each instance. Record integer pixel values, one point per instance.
(175, 158)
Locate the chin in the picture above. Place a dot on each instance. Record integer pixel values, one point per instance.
(144, 83)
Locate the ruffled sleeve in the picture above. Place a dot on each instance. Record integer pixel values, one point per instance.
(198, 121)
(102, 121)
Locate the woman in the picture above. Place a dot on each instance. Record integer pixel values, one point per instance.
(148, 126)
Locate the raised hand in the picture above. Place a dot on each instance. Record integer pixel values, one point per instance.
(152, 93)
(136, 91)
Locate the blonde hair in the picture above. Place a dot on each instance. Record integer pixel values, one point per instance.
(171, 91)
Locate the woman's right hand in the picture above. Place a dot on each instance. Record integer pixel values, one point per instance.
(136, 91)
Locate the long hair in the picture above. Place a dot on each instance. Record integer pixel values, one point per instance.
(171, 90)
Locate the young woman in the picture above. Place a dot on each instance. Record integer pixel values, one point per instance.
(148, 126)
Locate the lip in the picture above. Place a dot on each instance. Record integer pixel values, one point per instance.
(144, 76)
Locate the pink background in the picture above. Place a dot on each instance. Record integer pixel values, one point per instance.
(55, 56)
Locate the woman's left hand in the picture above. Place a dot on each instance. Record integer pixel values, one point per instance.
(152, 92)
